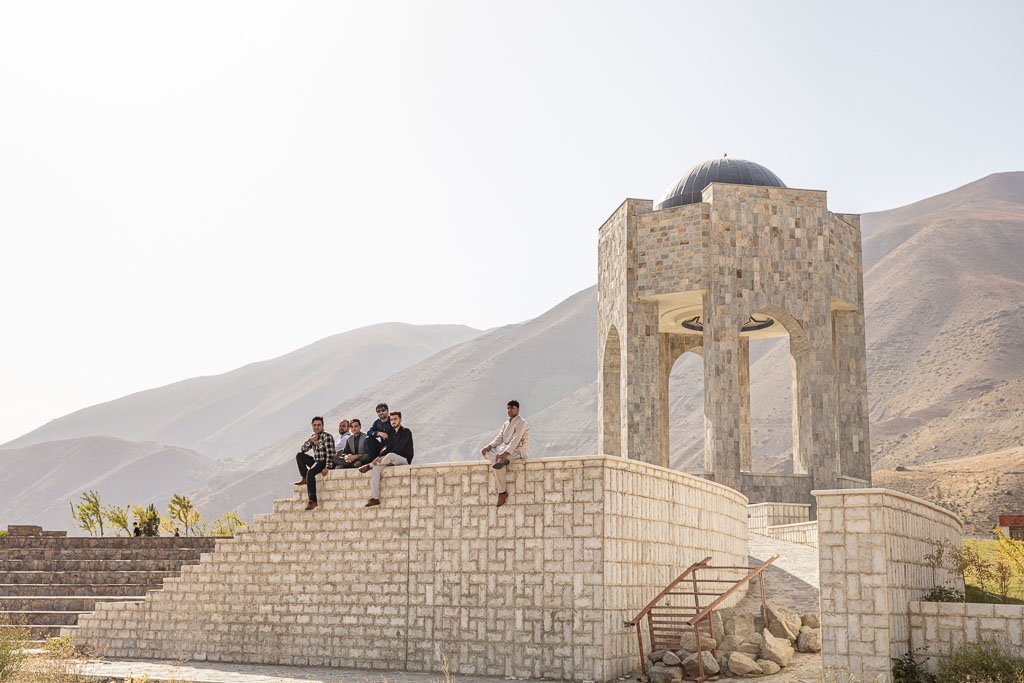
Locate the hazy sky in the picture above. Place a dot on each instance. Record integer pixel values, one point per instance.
(188, 187)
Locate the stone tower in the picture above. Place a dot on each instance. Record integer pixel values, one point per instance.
(728, 255)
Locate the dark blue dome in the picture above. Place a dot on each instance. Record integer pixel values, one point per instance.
(687, 189)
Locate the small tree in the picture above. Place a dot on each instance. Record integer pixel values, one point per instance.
(226, 524)
(936, 559)
(1003, 573)
(148, 519)
(88, 514)
(118, 518)
(181, 510)
(982, 571)
(1012, 550)
(962, 560)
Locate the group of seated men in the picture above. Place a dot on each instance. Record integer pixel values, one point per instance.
(389, 443)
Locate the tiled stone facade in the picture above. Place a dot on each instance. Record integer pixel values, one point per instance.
(804, 533)
(538, 588)
(760, 516)
(872, 545)
(938, 628)
(744, 250)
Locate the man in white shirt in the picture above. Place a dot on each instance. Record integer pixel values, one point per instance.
(511, 444)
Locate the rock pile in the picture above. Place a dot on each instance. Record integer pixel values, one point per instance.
(747, 647)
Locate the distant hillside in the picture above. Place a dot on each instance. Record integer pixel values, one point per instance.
(230, 415)
(980, 487)
(37, 482)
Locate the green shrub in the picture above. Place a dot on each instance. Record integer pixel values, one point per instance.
(907, 669)
(13, 638)
(984, 661)
(943, 594)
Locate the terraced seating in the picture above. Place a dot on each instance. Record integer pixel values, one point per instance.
(48, 579)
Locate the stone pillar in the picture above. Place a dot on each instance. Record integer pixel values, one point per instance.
(722, 395)
(643, 425)
(743, 369)
(852, 440)
(610, 395)
(820, 383)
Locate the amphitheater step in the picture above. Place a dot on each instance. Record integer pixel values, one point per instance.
(40, 618)
(85, 577)
(114, 553)
(40, 632)
(76, 590)
(57, 603)
(89, 565)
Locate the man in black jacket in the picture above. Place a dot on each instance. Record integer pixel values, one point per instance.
(396, 450)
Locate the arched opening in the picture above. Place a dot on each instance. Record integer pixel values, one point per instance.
(686, 412)
(611, 394)
(770, 414)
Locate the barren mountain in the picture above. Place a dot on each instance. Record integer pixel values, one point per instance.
(230, 415)
(38, 481)
(979, 487)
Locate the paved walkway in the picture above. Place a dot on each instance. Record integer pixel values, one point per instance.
(791, 582)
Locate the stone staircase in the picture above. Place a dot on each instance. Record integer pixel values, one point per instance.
(47, 579)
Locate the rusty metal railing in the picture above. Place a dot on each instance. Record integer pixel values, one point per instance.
(668, 623)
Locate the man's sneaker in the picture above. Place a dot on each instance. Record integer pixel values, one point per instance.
(310, 505)
(301, 482)
(500, 464)
(370, 503)
(502, 497)
(364, 469)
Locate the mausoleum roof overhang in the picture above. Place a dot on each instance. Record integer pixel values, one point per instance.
(687, 189)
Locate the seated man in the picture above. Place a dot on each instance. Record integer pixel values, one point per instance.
(380, 431)
(355, 453)
(511, 444)
(397, 450)
(322, 444)
(339, 445)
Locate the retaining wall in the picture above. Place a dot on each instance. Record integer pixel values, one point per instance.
(938, 628)
(871, 549)
(763, 515)
(804, 533)
(539, 588)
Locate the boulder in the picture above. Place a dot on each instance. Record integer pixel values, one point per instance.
(671, 659)
(742, 665)
(768, 667)
(737, 625)
(717, 625)
(730, 643)
(775, 649)
(656, 655)
(783, 623)
(811, 619)
(665, 674)
(809, 640)
(688, 642)
(691, 665)
(751, 645)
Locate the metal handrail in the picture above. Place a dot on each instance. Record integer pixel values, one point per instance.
(701, 614)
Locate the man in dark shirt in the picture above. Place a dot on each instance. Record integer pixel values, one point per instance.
(380, 431)
(355, 452)
(397, 450)
(322, 444)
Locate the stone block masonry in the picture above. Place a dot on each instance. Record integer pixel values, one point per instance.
(763, 515)
(938, 628)
(872, 545)
(539, 588)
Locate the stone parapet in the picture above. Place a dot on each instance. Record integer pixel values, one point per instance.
(539, 588)
(938, 628)
(760, 516)
(804, 533)
(872, 545)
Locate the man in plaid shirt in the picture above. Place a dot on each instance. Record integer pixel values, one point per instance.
(322, 444)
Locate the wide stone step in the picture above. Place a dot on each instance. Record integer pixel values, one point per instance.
(43, 618)
(40, 632)
(148, 578)
(91, 565)
(58, 603)
(204, 543)
(64, 554)
(77, 589)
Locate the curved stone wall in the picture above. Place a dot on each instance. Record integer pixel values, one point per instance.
(538, 588)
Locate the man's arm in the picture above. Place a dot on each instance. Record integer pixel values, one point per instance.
(494, 443)
(306, 446)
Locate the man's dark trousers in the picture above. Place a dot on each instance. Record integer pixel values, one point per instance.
(309, 467)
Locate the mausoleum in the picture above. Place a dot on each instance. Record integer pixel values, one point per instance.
(730, 254)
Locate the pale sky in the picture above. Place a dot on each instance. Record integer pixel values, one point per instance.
(186, 187)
